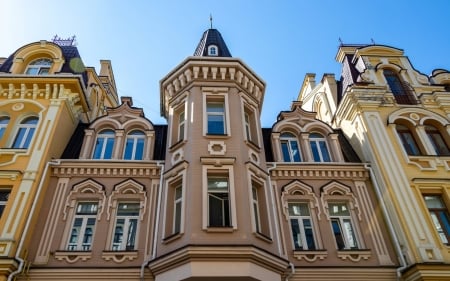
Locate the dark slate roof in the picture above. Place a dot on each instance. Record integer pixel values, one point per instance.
(212, 37)
(73, 148)
(159, 152)
(7, 64)
(266, 133)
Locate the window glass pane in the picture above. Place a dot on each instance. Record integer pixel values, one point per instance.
(218, 184)
(295, 228)
(338, 233)
(285, 150)
(309, 234)
(108, 148)
(216, 124)
(131, 238)
(437, 140)
(3, 124)
(128, 209)
(324, 150)
(434, 201)
(350, 234)
(338, 209)
(98, 148)
(298, 209)
(408, 141)
(295, 151)
(315, 151)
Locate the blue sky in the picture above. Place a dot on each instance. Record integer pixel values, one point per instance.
(280, 40)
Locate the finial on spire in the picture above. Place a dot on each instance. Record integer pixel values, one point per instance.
(210, 19)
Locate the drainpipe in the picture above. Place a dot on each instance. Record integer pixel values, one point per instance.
(291, 265)
(158, 211)
(27, 224)
(394, 237)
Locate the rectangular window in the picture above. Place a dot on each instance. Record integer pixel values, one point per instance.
(215, 111)
(439, 216)
(178, 199)
(4, 195)
(83, 227)
(218, 202)
(125, 229)
(342, 227)
(250, 125)
(181, 125)
(301, 226)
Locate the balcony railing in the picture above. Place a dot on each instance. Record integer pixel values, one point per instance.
(405, 94)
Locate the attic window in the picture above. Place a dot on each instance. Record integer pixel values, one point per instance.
(39, 67)
(212, 51)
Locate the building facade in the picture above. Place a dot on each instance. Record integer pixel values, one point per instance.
(44, 94)
(397, 119)
(213, 195)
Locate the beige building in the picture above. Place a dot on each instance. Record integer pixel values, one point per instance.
(211, 195)
(397, 119)
(44, 94)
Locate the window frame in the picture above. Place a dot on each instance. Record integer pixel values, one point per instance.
(4, 122)
(319, 144)
(286, 140)
(303, 244)
(225, 171)
(437, 220)
(408, 140)
(213, 51)
(435, 136)
(25, 132)
(171, 229)
(250, 124)
(349, 237)
(80, 244)
(4, 197)
(137, 146)
(124, 245)
(216, 98)
(105, 135)
(41, 65)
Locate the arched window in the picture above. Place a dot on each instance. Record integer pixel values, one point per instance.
(212, 51)
(134, 146)
(25, 132)
(319, 148)
(402, 93)
(39, 67)
(436, 139)
(290, 148)
(104, 144)
(408, 141)
(4, 120)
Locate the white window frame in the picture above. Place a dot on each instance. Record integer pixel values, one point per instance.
(104, 134)
(28, 126)
(79, 244)
(4, 196)
(255, 206)
(289, 140)
(177, 208)
(300, 218)
(39, 66)
(216, 95)
(135, 141)
(318, 139)
(213, 50)
(349, 236)
(223, 171)
(127, 232)
(181, 125)
(169, 221)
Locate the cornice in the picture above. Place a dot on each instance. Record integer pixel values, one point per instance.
(107, 168)
(315, 171)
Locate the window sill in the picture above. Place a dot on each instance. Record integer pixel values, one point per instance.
(172, 237)
(253, 145)
(119, 256)
(219, 229)
(263, 237)
(354, 255)
(217, 136)
(177, 145)
(72, 256)
(310, 255)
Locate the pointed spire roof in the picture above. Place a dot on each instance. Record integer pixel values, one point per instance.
(212, 45)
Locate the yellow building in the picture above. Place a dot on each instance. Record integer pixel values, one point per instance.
(45, 92)
(397, 119)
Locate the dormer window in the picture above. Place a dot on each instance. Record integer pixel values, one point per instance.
(39, 67)
(213, 51)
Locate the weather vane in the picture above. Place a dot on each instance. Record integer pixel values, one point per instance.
(210, 19)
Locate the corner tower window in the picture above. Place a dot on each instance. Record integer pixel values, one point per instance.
(39, 67)
(218, 201)
(439, 215)
(213, 51)
(215, 111)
